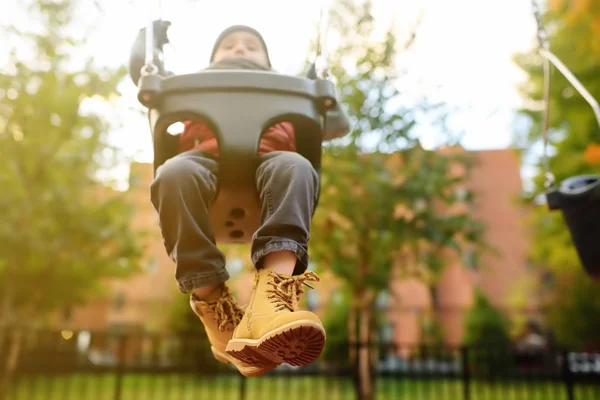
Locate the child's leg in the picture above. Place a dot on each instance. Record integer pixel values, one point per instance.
(274, 329)
(282, 262)
(181, 193)
(288, 186)
(184, 187)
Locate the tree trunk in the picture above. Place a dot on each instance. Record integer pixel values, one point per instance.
(6, 348)
(352, 334)
(11, 336)
(365, 383)
(10, 365)
(8, 299)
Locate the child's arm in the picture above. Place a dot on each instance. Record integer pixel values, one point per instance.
(137, 58)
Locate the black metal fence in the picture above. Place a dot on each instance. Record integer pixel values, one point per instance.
(110, 366)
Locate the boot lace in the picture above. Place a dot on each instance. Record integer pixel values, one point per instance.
(287, 289)
(227, 312)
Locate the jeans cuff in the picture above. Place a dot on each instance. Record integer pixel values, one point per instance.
(202, 280)
(280, 245)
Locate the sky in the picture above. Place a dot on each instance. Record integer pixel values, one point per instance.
(463, 54)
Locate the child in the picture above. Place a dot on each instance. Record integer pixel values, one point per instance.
(272, 330)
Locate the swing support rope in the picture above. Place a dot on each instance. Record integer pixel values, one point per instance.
(549, 57)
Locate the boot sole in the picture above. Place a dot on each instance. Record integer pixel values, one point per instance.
(246, 371)
(297, 343)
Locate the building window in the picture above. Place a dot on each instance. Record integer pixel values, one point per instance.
(461, 193)
(470, 259)
(382, 301)
(119, 301)
(134, 180)
(67, 313)
(387, 332)
(435, 299)
(151, 265)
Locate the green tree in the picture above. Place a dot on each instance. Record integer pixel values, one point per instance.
(574, 137)
(487, 336)
(484, 323)
(192, 341)
(63, 233)
(382, 192)
(336, 325)
(575, 315)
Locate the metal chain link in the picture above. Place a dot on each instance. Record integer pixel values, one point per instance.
(149, 67)
(544, 44)
(322, 43)
(542, 34)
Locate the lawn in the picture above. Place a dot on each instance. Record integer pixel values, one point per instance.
(187, 386)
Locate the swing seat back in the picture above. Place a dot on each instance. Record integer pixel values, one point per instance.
(238, 106)
(579, 200)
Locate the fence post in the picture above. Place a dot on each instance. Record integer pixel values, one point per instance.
(242, 387)
(567, 376)
(120, 367)
(355, 370)
(466, 373)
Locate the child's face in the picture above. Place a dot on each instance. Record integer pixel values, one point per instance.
(242, 44)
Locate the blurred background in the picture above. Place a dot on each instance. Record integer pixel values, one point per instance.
(443, 274)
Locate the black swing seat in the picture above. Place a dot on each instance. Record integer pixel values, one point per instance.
(238, 105)
(578, 198)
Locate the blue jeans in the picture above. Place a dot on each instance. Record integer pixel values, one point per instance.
(186, 185)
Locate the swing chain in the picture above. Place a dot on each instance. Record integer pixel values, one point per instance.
(550, 178)
(544, 44)
(542, 34)
(321, 53)
(149, 67)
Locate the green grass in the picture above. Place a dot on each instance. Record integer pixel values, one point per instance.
(193, 387)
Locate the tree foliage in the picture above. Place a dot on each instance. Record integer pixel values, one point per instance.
(63, 232)
(487, 335)
(485, 324)
(575, 316)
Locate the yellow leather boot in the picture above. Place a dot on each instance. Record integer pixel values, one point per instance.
(273, 329)
(220, 314)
